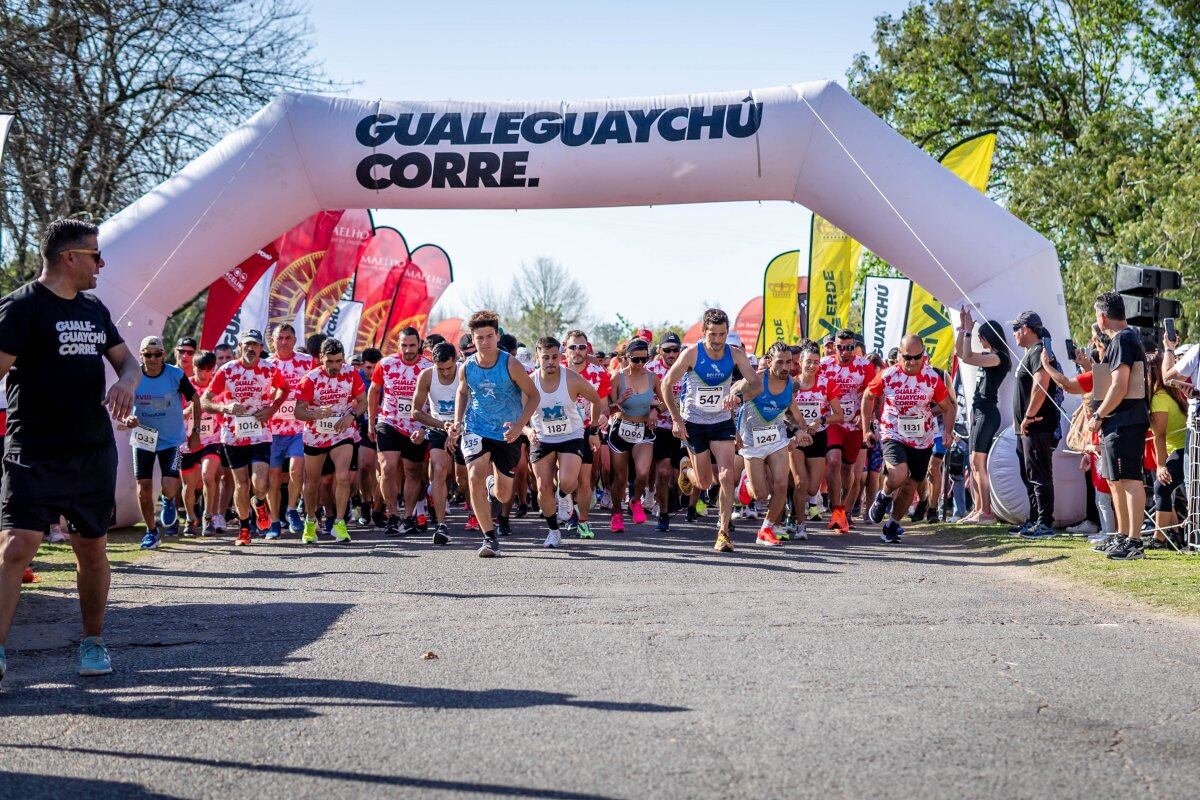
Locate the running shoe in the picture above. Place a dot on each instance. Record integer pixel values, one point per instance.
(880, 506)
(918, 513)
(1129, 550)
(58, 535)
(685, 485)
(832, 525)
(275, 531)
(553, 539)
(766, 536)
(3, 663)
(638, 512)
(441, 534)
(784, 534)
(843, 521)
(664, 523)
(802, 532)
(502, 527)
(472, 523)
(1107, 542)
(521, 510)
(207, 528)
(150, 540)
(618, 523)
(814, 512)
(408, 527)
(1085, 528)
(364, 516)
(340, 534)
(723, 544)
(750, 512)
(393, 526)
(891, 532)
(691, 515)
(378, 518)
(565, 507)
(309, 535)
(94, 658)
(606, 499)
(1039, 531)
(984, 519)
(327, 525)
(931, 516)
(29, 576)
(1017, 530)
(294, 522)
(573, 521)
(167, 514)
(422, 523)
(189, 528)
(490, 548)
(585, 531)
(218, 523)
(263, 515)
(701, 507)
(243, 538)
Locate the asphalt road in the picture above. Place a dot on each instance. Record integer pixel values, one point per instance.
(638, 666)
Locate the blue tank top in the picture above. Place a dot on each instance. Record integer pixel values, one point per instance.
(495, 398)
(638, 403)
(769, 406)
(158, 405)
(713, 373)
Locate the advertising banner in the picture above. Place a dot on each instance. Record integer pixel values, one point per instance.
(832, 261)
(884, 312)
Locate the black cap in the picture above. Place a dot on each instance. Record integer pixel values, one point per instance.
(1027, 319)
(670, 337)
(187, 341)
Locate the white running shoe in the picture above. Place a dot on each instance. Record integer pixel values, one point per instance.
(553, 539)
(802, 532)
(750, 512)
(565, 506)
(218, 523)
(1085, 528)
(58, 535)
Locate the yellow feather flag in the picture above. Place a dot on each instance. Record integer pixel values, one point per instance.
(781, 281)
(832, 261)
(970, 160)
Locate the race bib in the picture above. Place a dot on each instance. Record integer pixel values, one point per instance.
(404, 407)
(144, 439)
(327, 425)
(287, 409)
(472, 444)
(247, 427)
(632, 432)
(710, 398)
(763, 437)
(911, 427)
(208, 427)
(555, 427)
(810, 411)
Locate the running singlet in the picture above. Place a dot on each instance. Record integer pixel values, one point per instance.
(660, 369)
(495, 397)
(442, 397)
(158, 404)
(907, 416)
(850, 381)
(762, 421)
(600, 380)
(815, 402)
(556, 419)
(398, 382)
(707, 387)
(210, 424)
(253, 388)
(319, 388)
(284, 423)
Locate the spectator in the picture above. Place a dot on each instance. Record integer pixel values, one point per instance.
(994, 365)
(1035, 420)
(1168, 426)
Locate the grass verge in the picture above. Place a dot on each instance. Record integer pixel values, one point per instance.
(1163, 578)
(55, 563)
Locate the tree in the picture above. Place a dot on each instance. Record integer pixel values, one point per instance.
(546, 301)
(1095, 113)
(113, 97)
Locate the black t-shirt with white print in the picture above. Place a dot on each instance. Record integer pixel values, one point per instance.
(56, 385)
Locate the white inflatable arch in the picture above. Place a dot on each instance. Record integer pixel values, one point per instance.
(809, 143)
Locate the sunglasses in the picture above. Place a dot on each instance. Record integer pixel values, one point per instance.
(907, 357)
(84, 251)
(154, 354)
(639, 359)
(577, 347)
(185, 351)
(846, 348)
(668, 349)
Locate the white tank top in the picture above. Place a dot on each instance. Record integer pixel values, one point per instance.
(442, 397)
(557, 418)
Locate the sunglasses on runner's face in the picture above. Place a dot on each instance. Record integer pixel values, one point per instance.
(668, 349)
(638, 359)
(907, 357)
(153, 354)
(577, 347)
(185, 351)
(846, 348)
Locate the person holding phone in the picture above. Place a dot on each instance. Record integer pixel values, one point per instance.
(1035, 419)
(994, 364)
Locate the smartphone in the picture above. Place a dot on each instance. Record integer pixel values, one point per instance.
(1046, 347)
(1169, 326)
(1070, 350)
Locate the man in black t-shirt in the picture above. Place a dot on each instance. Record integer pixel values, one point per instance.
(1035, 419)
(60, 456)
(1122, 419)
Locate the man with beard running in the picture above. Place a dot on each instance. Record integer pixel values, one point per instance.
(438, 386)
(705, 421)
(287, 445)
(496, 399)
(910, 392)
(850, 375)
(556, 432)
(577, 361)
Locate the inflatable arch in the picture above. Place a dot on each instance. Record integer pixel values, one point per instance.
(809, 143)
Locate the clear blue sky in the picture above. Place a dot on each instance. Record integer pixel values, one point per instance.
(649, 264)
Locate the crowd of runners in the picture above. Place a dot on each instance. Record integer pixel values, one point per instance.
(307, 439)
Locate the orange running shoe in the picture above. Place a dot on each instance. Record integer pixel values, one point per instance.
(766, 535)
(473, 523)
(29, 576)
(263, 516)
(833, 519)
(842, 522)
(243, 538)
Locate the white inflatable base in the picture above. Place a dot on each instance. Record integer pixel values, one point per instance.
(1010, 501)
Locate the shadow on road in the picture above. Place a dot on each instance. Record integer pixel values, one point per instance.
(53, 787)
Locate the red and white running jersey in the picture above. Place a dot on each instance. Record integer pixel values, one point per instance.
(292, 370)
(253, 387)
(815, 401)
(660, 369)
(600, 380)
(398, 382)
(907, 416)
(850, 381)
(210, 424)
(319, 388)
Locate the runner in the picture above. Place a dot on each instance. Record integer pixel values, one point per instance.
(248, 393)
(557, 432)
(578, 350)
(668, 449)
(705, 422)
(909, 393)
(634, 392)
(438, 386)
(399, 438)
(60, 456)
(762, 428)
(521, 475)
(850, 375)
(157, 430)
(817, 401)
(328, 402)
(287, 443)
(199, 467)
(496, 399)
(185, 353)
